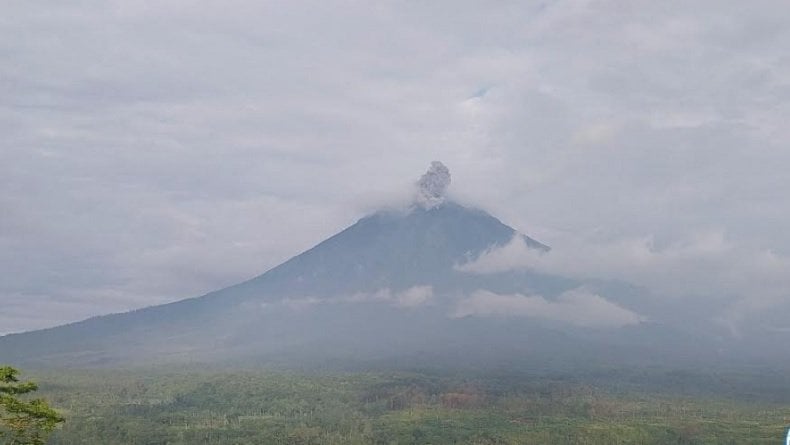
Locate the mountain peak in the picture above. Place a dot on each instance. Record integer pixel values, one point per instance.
(390, 249)
(399, 258)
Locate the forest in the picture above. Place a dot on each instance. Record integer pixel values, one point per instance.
(607, 406)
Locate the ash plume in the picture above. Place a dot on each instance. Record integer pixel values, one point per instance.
(432, 185)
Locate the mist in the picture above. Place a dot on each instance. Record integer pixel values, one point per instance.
(153, 155)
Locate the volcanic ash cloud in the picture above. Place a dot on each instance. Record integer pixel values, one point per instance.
(432, 185)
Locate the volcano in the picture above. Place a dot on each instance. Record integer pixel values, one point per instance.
(389, 287)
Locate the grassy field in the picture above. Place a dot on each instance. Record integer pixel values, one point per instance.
(261, 407)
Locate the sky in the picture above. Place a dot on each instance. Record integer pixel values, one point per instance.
(159, 150)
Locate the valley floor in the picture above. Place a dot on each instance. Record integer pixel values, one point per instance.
(268, 407)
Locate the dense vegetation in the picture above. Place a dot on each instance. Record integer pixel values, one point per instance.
(23, 422)
(258, 407)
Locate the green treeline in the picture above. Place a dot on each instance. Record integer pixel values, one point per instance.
(399, 408)
(23, 421)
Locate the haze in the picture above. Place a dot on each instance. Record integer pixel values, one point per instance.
(154, 151)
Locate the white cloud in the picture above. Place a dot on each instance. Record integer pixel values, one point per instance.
(706, 266)
(160, 151)
(300, 304)
(414, 296)
(577, 307)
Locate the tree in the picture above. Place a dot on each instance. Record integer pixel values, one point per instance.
(23, 422)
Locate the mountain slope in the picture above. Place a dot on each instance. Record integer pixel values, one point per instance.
(388, 287)
(380, 256)
(389, 250)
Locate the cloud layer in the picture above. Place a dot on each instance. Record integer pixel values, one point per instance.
(153, 151)
(736, 282)
(578, 307)
(412, 297)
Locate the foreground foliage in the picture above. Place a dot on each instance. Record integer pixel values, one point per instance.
(413, 408)
(23, 422)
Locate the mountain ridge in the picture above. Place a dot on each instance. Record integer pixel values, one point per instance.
(387, 287)
(386, 250)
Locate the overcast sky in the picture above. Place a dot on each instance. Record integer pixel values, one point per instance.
(157, 150)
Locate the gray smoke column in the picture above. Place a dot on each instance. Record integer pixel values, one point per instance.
(431, 186)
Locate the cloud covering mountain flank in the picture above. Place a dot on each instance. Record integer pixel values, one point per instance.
(736, 282)
(408, 298)
(578, 307)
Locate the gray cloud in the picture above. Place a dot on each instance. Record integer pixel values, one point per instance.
(155, 151)
(412, 297)
(408, 298)
(432, 185)
(577, 307)
(736, 282)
